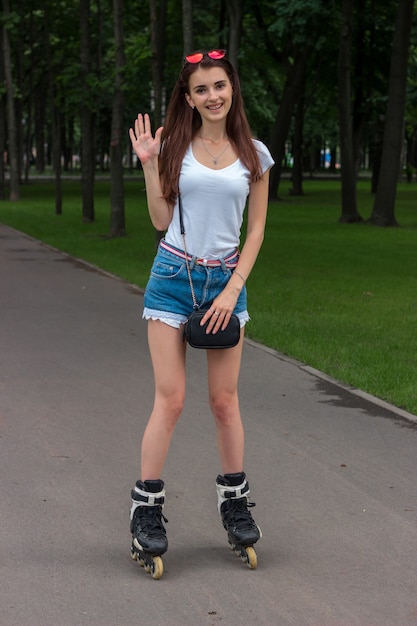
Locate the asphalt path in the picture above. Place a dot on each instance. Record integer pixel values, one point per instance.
(333, 473)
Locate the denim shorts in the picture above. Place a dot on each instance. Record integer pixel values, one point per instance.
(168, 294)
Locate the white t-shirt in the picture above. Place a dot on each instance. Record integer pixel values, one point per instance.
(213, 203)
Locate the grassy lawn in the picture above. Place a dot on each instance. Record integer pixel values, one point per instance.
(341, 298)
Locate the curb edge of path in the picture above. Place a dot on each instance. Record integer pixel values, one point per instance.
(362, 395)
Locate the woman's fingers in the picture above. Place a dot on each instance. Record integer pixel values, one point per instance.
(143, 143)
(216, 320)
(147, 123)
(140, 126)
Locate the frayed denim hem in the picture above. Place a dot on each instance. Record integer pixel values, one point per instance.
(172, 319)
(176, 320)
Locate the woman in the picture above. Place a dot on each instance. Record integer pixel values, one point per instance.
(205, 152)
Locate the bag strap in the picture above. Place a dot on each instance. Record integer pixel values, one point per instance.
(195, 305)
(180, 212)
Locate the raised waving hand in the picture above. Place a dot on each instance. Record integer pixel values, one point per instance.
(146, 146)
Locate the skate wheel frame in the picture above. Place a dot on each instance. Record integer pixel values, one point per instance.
(152, 565)
(247, 554)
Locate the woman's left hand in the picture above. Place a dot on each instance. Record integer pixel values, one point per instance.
(219, 314)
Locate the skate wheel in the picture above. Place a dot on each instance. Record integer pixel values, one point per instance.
(157, 568)
(251, 558)
(133, 553)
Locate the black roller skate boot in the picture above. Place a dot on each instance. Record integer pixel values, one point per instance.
(149, 540)
(233, 505)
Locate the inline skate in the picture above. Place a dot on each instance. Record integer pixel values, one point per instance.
(233, 506)
(149, 540)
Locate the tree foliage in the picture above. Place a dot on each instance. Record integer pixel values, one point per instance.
(65, 93)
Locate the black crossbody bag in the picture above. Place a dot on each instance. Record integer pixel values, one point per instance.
(194, 333)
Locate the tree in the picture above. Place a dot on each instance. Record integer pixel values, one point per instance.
(235, 11)
(294, 83)
(39, 95)
(55, 114)
(187, 25)
(349, 206)
(117, 219)
(62, 60)
(411, 117)
(293, 34)
(297, 173)
(87, 118)
(383, 212)
(14, 192)
(158, 28)
(2, 119)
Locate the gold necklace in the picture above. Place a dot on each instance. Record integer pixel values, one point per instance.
(215, 159)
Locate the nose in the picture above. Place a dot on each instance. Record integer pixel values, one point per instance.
(212, 94)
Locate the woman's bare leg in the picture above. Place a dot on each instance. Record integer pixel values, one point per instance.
(223, 375)
(167, 350)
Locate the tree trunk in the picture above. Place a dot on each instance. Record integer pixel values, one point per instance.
(158, 28)
(56, 156)
(29, 105)
(293, 85)
(383, 213)
(297, 172)
(40, 108)
(235, 10)
(117, 219)
(28, 139)
(349, 206)
(13, 151)
(2, 120)
(410, 156)
(19, 80)
(363, 84)
(55, 140)
(87, 120)
(187, 26)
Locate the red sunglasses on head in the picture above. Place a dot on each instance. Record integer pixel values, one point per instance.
(196, 57)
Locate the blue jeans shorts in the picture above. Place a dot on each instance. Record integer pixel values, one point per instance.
(168, 294)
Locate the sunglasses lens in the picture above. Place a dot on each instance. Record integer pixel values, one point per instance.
(216, 54)
(194, 58)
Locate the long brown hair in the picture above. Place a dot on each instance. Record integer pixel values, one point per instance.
(182, 123)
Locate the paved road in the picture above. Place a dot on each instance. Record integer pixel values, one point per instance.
(333, 474)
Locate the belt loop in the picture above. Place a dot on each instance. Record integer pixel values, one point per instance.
(224, 267)
(192, 262)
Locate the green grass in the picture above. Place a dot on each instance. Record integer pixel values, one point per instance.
(340, 298)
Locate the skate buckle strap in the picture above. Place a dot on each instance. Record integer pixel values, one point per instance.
(238, 492)
(148, 498)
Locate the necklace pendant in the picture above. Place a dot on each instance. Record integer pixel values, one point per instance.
(214, 159)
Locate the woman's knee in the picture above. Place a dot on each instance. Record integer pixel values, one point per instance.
(170, 405)
(225, 406)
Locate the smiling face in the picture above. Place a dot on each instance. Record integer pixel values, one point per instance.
(210, 91)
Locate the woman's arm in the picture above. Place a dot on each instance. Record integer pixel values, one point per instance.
(257, 211)
(147, 149)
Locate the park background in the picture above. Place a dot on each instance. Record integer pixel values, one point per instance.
(329, 86)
